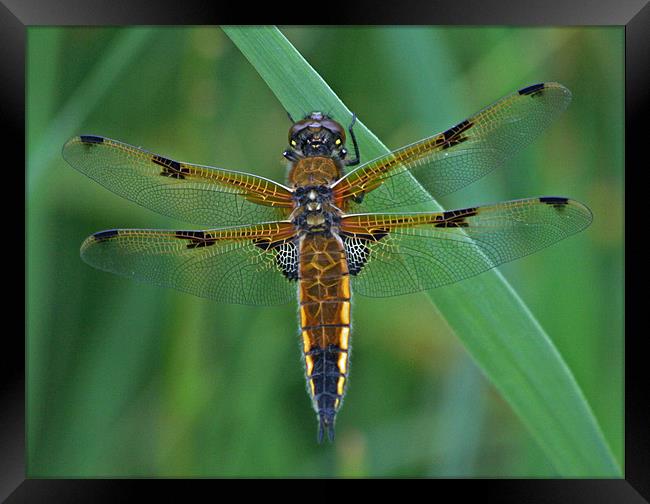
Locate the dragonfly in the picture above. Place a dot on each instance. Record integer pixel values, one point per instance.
(337, 227)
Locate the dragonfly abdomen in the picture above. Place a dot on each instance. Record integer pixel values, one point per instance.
(324, 282)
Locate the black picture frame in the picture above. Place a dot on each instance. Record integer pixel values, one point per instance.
(17, 15)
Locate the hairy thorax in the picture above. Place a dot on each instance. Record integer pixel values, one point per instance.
(312, 171)
(315, 211)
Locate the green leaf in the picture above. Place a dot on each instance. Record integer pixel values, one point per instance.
(487, 315)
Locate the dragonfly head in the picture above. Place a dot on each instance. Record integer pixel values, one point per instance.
(318, 135)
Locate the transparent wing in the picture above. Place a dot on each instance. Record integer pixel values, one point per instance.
(445, 162)
(198, 194)
(232, 265)
(402, 253)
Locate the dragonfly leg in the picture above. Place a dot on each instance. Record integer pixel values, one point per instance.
(357, 158)
(291, 155)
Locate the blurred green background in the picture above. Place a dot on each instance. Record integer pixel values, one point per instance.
(127, 379)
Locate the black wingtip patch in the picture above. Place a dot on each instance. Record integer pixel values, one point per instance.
(534, 90)
(91, 139)
(104, 235)
(554, 200)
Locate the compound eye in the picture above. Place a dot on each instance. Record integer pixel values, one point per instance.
(338, 141)
(293, 143)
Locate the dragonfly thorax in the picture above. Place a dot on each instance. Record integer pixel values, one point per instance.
(314, 209)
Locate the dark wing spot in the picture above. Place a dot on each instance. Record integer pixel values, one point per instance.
(103, 235)
(357, 251)
(287, 259)
(455, 218)
(465, 212)
(91, 139)
(453, 135)
(534, 90)
(458, 222)
(263, 244)
(286, 255)
(459, 128)
(196, 239)
(453, 141)
(171, 168)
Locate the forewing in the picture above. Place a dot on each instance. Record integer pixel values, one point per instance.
(232, 265)
(407, 253)
(445, 162)
(197, 194)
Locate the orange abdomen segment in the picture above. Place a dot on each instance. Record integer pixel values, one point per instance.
(324, 282)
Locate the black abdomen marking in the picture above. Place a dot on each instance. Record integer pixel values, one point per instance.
(327, 381)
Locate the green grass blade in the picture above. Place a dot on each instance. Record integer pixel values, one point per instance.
(487, 315)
